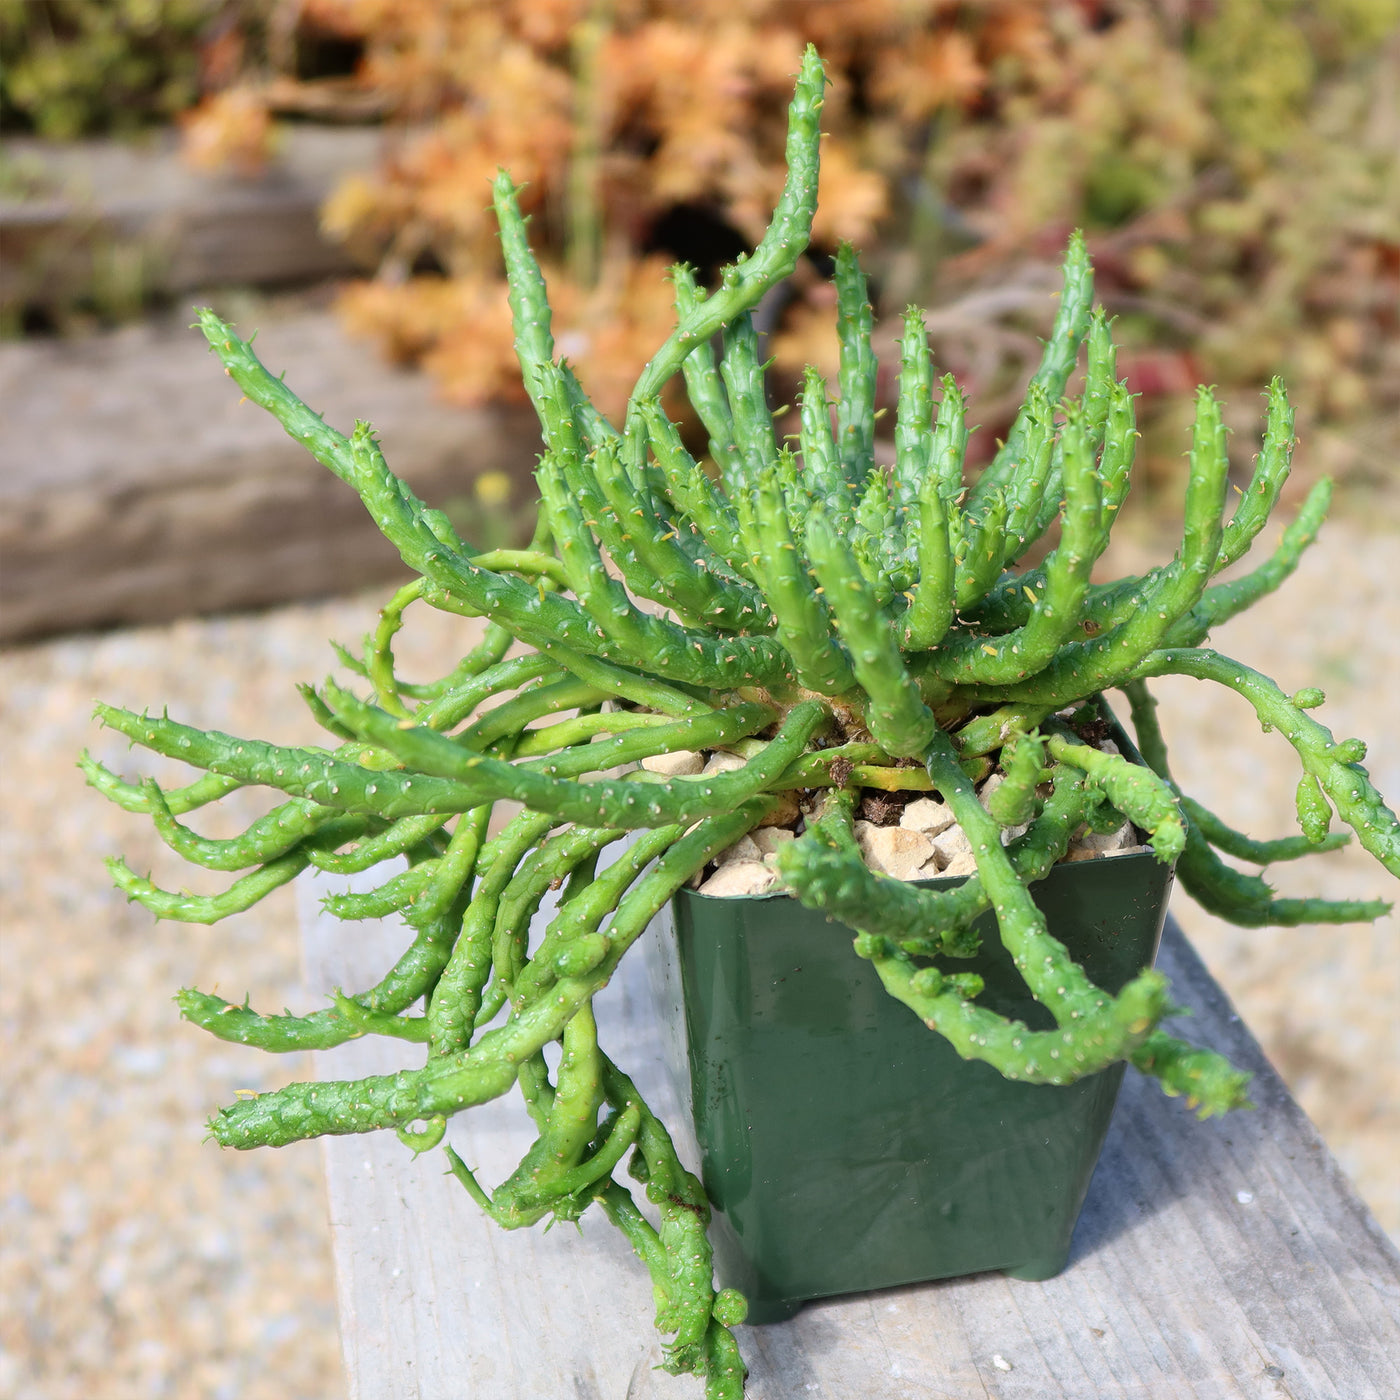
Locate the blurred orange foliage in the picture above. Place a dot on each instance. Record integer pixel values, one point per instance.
(1236, 164)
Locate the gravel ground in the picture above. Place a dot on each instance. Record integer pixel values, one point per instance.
(138, 1261)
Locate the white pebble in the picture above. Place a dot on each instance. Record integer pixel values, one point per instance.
(722, 763)
(950, 844)
(962, 863)
(893, 850)
(1089, 844)
(928, 815)
(770, 839)
(674, 765)
(740, 877)
(785, 813)
(745, 848)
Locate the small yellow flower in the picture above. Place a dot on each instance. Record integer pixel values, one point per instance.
(493, 488)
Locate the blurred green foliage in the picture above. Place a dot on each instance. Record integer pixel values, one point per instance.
(74, 67)
(1263, 60)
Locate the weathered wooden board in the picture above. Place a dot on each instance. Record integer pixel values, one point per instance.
(134, 486)
(98, 205)
(1213, 1260)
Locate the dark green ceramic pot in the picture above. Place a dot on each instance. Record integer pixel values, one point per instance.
(844, 1145)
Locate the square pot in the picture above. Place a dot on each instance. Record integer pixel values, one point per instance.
(844, 1145)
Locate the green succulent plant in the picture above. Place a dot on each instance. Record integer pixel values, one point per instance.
(841, 628)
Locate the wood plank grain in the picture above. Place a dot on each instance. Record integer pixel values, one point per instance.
(1218, 1260)
(135, 487)
(176, 228)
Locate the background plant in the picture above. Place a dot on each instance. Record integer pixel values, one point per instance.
(839, 627)
(1233, 161)
(74, 67)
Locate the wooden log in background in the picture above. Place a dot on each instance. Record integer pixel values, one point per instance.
(134, 487)
(114, 219)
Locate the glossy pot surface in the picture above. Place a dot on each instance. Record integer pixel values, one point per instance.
(845, 1145)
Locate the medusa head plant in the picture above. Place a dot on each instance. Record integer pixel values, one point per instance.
(837, 627)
